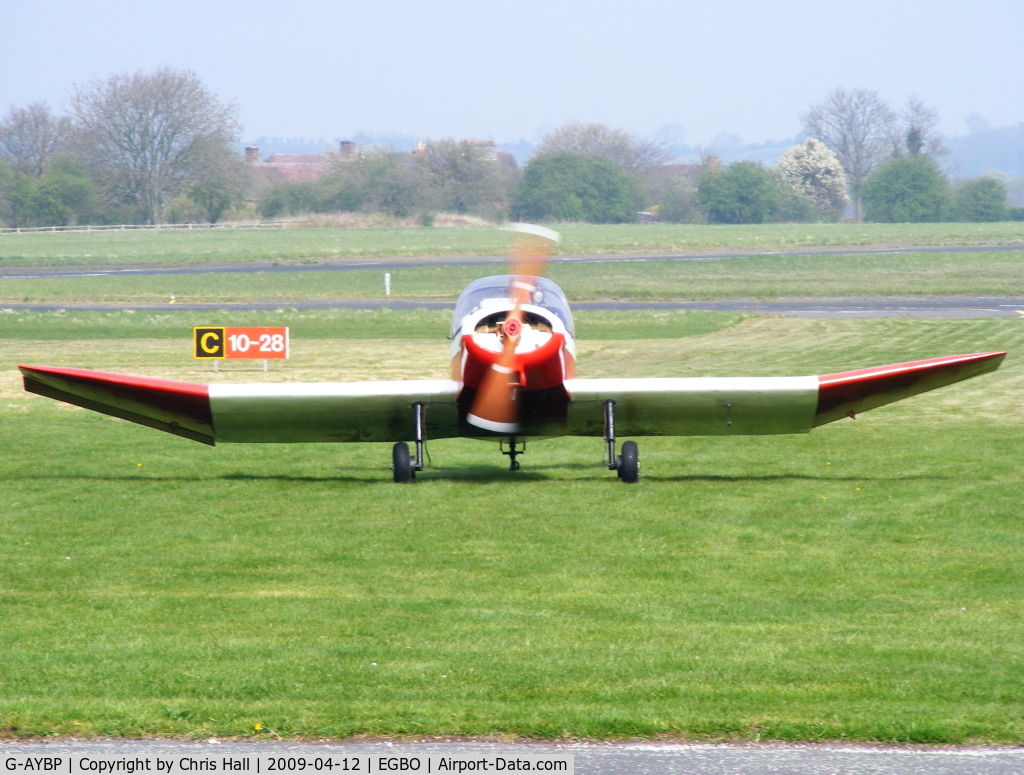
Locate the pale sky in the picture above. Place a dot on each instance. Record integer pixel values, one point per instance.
(508, 70)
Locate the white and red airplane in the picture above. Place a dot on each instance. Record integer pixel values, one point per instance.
(513, 377)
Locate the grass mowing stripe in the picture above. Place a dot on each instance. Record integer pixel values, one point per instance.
(859, 583)
(988, 273)
(340, 324)
(189, 247)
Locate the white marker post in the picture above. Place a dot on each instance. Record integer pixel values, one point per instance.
(387, 283)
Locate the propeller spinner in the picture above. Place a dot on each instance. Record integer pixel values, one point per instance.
(496, 406)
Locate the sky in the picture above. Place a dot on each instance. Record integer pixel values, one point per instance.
(451, 68)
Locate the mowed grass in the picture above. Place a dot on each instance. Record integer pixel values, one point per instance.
(345, 328)
(206, 246)
(861, 582)
(983, 273)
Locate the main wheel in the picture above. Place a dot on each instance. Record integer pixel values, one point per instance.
(401, 463)
(629, 463)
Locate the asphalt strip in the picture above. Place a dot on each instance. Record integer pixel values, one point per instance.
(588, 758)
(807, 307)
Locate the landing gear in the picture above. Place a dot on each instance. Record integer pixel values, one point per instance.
(629, 463)
(403, 470)
(512, 452)
(403, 465)
(626, 465)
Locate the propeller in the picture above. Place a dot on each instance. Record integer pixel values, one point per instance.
(496, 406)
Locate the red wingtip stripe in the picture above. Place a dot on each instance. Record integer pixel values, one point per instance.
(930, 364)
(189, 399)
(856, 391)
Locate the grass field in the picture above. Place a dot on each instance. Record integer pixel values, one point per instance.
(185, 247)
(862, 582)
(985, 273)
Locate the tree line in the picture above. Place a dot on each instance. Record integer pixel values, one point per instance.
(160, 146)
(126, 148)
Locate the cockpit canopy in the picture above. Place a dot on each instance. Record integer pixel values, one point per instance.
(496, 291)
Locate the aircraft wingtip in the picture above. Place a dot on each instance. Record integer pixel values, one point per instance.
(848, 393)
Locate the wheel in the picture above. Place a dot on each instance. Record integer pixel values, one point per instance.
(629, 463)
(401, 464)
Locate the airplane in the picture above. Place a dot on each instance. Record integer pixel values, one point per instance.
(513, 377)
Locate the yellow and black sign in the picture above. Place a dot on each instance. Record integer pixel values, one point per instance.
(259, 342)
(208, 342)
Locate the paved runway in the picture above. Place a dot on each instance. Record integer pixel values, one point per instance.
(807, 307)
(598, 758)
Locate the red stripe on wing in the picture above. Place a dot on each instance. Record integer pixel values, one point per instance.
(182, 408)
(851, 392)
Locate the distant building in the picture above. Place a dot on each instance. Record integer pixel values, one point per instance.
(490, 152)
(507, 159)
(296, 167)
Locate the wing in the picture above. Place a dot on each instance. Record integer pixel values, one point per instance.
(333, 411)
(281, 412)
(181, 408)
(757, 405)
(381, 411)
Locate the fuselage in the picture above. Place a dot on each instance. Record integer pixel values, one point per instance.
(544, 356)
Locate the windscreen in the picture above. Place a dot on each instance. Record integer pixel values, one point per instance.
(489, 291)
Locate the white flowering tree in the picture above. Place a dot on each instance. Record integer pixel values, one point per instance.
(813, 170)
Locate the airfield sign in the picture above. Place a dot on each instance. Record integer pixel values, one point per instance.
(254, 342)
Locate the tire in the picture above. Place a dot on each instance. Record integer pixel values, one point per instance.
(629, 463)
(401, 464)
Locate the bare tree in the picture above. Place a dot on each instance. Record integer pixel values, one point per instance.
(615, 145)
(150, 136)
(858, 126)
(31, 136)
(464, 177)
(920, 130)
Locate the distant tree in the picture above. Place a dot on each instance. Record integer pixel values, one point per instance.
(920, 133)
(908, 189)
(563, 186)
(308, 196)
(151, 135)
(463, 179)
(744, 192)
(858, 126)
(31, 136)
(61, 196)
(6, 186)
(813, 170)
(378, 180)
(793, 206)
(671, 190)
(980, 199)
(392, 183)
(222, 185)
(615, 145)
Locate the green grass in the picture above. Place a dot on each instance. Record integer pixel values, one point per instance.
(184, 247)
(985, 273)
(339, 324)
(861, 582)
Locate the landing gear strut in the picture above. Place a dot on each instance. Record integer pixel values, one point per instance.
(403, 465)
(512, 452)
(626, 465)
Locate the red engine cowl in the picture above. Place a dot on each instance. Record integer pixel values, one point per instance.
(539, 369)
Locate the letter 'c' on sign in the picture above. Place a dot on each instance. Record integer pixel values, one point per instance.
(208, 342)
